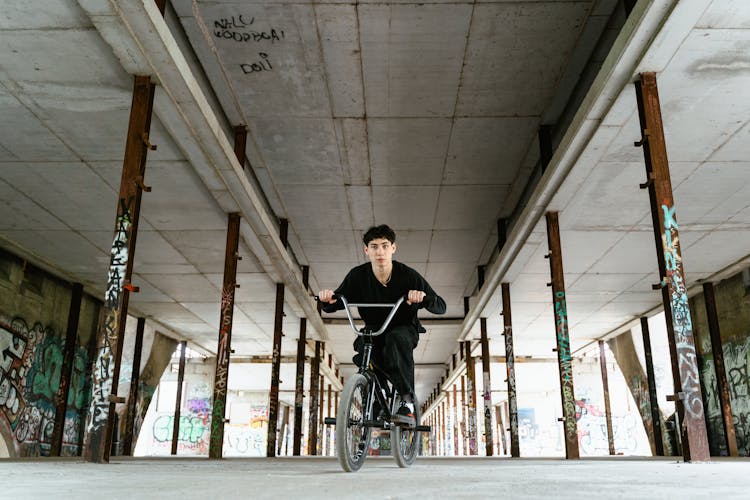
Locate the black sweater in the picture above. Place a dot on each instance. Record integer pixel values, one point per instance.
(361, 285)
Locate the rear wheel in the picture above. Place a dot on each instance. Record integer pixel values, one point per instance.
(405, 441)
(352, 436)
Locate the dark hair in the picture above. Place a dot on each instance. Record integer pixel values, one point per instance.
(381, 231)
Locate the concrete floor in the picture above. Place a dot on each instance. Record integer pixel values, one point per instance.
(313, 477)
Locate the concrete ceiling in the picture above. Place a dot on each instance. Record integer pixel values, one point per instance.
(423, 116)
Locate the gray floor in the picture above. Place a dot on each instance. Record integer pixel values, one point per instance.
(313, 477)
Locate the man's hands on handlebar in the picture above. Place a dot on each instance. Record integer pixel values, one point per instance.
(412, 297)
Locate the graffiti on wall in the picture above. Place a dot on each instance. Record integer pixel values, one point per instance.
(194, 430)
(736, 362)
(248, 438)
(30, 365)
(592, 430)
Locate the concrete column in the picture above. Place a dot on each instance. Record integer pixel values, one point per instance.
(657, 444)
(564, 359)
(688, 398)
(99, 426)
(321, 382)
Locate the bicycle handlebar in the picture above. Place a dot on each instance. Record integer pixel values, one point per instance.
(394, 307)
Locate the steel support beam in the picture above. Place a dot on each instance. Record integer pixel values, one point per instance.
(605, 387)
(99, 427)
(283, 431)
(564, 359)
(655, 413)
(299, 385)
(178, 399)
(464, 413)
(273, 404)
(472, 401)
(135, 380)
(223, 351)
(321, 393)
(312, 430)
(500, 431)
(510, 367)
(721, 373)
(486, 389)
(688, 397)
(455, 421)
(329, 401)
(66, 370)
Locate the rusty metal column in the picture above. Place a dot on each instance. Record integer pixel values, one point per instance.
(472, 402)
(135, 378)
(329, 448)
(486, 389)
(607, 407)
(99, 426)
(721, 374)
(273, 399)
(501, 430)
(688, 397)
(312, 431)
(464, 413)
(321, 393)
(299, 386)
(69, 350)
(221, 378)
(178, 399)
(510, 368)
(563, 343)
(283, 431)
(655, 413)
(455, 420)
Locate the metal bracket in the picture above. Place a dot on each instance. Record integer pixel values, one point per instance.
(114, 398)
(561, 419)
(648, 182)
(554, 349)
(548, 255)
(237, 256)
(676, 397)
(659, 286)
(139, 182)
(144, 138)
(549, 284)
(644, 139)
(236, 285)
(131, 287)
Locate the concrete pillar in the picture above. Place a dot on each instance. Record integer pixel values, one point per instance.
(178, 399)
(471, 399)
(312, 431)
(657, 444)
(605, 388)
(127, 439)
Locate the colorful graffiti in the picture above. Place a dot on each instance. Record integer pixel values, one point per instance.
(30, 365)
(736, 362)
(592, 431)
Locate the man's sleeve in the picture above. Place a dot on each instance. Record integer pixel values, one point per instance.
(432, 301)
(343, 289)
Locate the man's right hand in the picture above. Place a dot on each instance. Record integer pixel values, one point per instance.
(326, 296)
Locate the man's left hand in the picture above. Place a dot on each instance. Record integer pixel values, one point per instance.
(415, 297)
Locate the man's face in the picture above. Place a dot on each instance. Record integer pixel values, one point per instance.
(380, 252)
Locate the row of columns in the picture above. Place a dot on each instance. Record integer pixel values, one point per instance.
(688, 398)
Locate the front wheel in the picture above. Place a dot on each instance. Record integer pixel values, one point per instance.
(406, 441)
(352, 435)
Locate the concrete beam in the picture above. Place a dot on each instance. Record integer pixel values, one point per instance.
(141, 40)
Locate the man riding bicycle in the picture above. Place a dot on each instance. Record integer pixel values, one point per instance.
(384, 280)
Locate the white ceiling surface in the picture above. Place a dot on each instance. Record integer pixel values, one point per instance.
(422, 116)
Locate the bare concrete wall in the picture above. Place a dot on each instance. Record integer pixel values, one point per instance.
(733, 309)
(34, 308)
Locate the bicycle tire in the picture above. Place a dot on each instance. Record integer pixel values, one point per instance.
(352, 436)
(405, 442)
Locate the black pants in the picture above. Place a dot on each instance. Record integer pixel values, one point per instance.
(393, 354)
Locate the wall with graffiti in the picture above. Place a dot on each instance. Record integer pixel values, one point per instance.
(733, 310)
(155, 436)
(33, 316)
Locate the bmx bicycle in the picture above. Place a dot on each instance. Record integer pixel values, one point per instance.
(355, 417)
